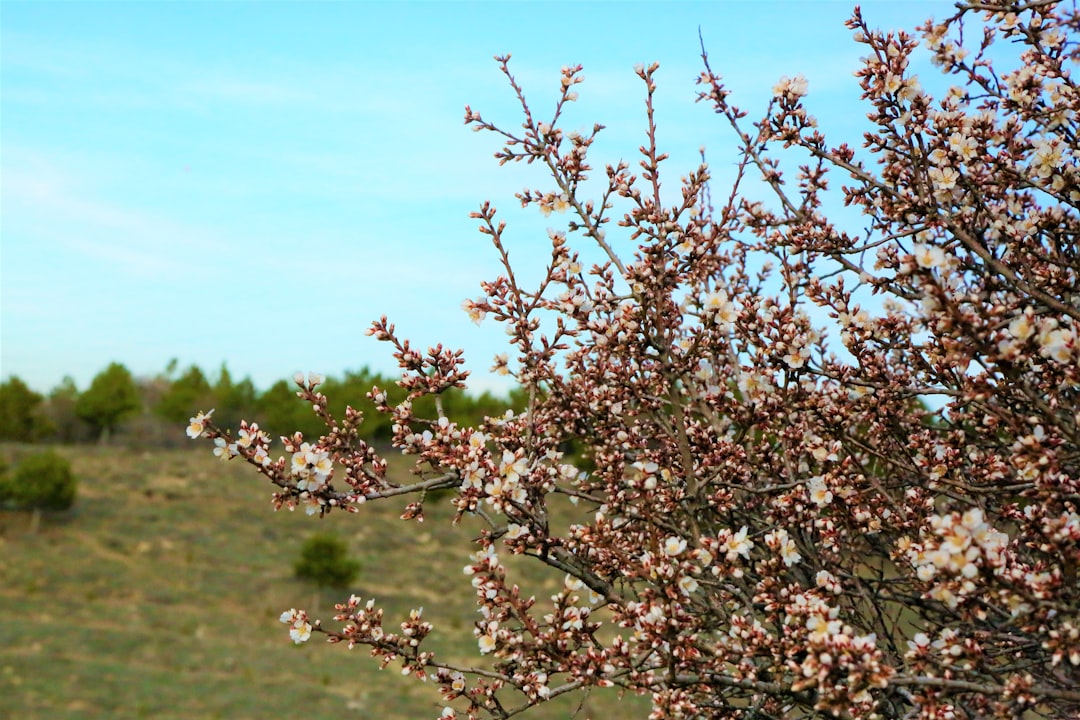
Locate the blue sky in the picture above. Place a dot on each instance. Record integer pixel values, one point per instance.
(253, 183)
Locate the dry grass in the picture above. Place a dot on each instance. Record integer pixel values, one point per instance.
(158, 596)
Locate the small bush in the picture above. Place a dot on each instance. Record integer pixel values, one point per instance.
(42, 481)
(5, 484)
(324, 561)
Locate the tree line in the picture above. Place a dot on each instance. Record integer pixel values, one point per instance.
(118, 406)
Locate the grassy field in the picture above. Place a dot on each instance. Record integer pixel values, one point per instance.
(158, 595)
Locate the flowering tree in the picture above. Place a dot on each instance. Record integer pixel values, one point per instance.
(766, 525)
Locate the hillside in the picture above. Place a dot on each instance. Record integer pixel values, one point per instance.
(158, 596)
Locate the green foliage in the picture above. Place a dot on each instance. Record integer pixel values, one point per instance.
(352, 390)
(186, 394)
(69, 416)
(42, 481)
(469, 410)
(282, 412)
(59, 408)
(460, 407)
(5, 484)
(20, 419)
(192, 391)
(324, 560)
(234, 401)
(111, 397)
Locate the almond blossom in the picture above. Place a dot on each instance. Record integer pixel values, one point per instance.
(784, 466)
(197, 424)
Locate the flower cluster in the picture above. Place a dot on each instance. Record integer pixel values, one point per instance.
(842, 666)
(300, 628)
(963, 544)
(197, 425)
(312, 466)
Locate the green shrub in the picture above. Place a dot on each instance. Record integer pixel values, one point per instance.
(5, 483)
(324, 560)
(42, 481)
(20, 412)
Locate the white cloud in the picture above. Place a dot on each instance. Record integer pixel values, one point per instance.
(44, 201)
